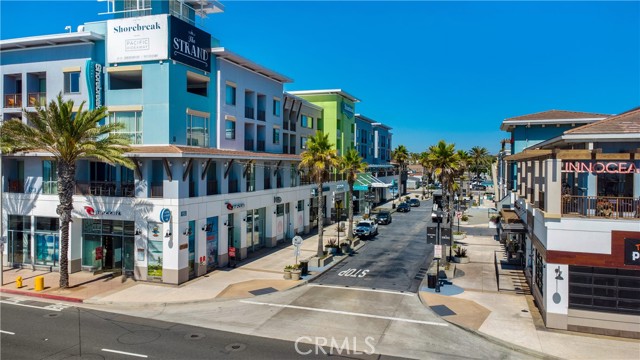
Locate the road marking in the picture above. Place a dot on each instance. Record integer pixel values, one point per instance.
(362, 289)
(346, 313)
(354, 272)
(30, 306)
(6, 332)
(124, 353)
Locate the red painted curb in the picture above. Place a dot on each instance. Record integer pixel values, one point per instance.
(43, 296)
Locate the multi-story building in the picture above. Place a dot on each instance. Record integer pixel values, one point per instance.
(576, 225)
(301, 120)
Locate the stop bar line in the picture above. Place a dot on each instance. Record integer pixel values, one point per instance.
(7, 332)
(124, 353)
(361, 289)
(345, 313)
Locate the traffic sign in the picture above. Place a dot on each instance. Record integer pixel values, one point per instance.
(232, 252)
(437, 252)
(458, 214)
(296, 241)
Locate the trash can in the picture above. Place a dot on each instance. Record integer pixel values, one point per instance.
(393, 205)
(432, 279)
(304, 267)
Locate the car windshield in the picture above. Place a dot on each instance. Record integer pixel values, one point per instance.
(365, 224)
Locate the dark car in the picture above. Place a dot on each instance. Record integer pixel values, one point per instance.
(403, 207)
(384, 217)
(414, 202)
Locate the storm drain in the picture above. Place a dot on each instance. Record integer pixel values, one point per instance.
(194, 336)
(420, 274)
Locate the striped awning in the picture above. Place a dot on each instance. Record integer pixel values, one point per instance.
(366, 179)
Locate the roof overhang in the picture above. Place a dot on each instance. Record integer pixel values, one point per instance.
(85, 37)
(204, 7)
(510, 124)
(326, 92)
(225, 54)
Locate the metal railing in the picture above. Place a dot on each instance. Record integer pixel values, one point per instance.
(50, 187)
(540, 202)
(292, 126)
(248, 144)
(37, 99)
(601, 207)
(157, 189)
(248, 112)
(262, 115)
(261, 145)
(292, 150)
(12, 101)
(105, 188)
(233, 186)
(285, 149)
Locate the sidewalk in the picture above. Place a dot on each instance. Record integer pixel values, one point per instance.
(495, 302)
(258, 275)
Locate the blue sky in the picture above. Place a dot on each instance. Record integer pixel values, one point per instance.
(430, 70)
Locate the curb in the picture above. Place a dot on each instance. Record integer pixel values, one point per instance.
(42, 296)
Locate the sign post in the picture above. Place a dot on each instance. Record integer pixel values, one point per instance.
(458, 215)
(296, 241)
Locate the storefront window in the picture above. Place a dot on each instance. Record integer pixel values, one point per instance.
(92, 251)
(604, 289)
(19, 239)
(154, 259)
(539, 273)
(615, 185)
(255, 229)
(212, 242)
(47, 241)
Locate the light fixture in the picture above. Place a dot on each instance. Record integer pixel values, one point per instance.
(207, 227)
(559, 274)
(187, 231)
(138, 232)
(167, 234)
(226, 223)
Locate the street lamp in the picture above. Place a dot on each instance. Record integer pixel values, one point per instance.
(437, 217)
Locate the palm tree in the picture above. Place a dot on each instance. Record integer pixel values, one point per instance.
(480, 158)
(351, 165)
(319, 159)
(69, 136)
(463, 164)
(445, 163)
(401, 155)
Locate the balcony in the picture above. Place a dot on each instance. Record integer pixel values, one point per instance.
(13, 101)
(37, 99)
(285, 149)
(157, 190)
(16, 186)
(233, 186)
(601, 207)
(50, 187)
(248, 144)
(192, 189)
(293, 126)
(105, 188)
(261, 145)
(541, 201)
(267, 182)
(212, 187)
(285, 124)
(292, 150)
(248, 112)
(262, 115)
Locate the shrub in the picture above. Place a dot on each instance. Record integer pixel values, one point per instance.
(460, 252)
(458, 233)
(464, 218)
(332, 243)
(493, 218)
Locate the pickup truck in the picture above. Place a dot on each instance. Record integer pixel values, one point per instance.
(366, 228)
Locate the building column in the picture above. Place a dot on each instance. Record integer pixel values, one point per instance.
(553, 180)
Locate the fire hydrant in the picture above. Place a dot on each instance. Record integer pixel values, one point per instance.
(19, 282)
(39, 283)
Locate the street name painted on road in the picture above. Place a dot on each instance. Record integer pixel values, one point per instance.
(354, 273)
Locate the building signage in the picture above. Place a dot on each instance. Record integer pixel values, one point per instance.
(231, 206)
(190, 45)
(432, 233)
(437, 252)
(91, 211)
(314, 192)
(445, 236)
(347, 109)
(632, 252)
(277, 199)
(601, 167)
(137, 39)
(165, 215)
(340, 187)
(94, 84)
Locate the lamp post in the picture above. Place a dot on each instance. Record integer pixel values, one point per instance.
(437, 218)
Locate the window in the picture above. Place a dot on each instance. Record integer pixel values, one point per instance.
(539, 273)
(72, 82)
(293, 175)
(230, 130)
(49, 177)
(306, 121)
(280, 210)
(197, 130)
(251, 177)
(276, 107)
(132, 121)
(230, 95)
(300, 205)
(125, 80)
(197, 84)
(276, 136)
(604, 289)
(303, 143)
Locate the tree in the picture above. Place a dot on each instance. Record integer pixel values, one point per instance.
(319, 159)
(480, 159)
(463, 164)
(68, 136)
(445, 163)
(401, 155)
(351, 165)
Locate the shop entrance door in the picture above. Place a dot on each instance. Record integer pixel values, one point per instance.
(112, 256)
(128, 254)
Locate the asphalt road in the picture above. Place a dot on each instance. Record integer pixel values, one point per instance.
(37, 330)
(397, 259)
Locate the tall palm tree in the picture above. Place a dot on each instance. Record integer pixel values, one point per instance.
(445, 163)
(351, 165)
(319, 159)
(69, 136)
(463, 165)
(480, 158)
(401, 155)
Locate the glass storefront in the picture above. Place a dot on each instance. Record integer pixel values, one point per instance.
(192, 248)
(212, 243)
(255, 229)
(47, 237)
(154, 252)
(19, 239)
(105, 243)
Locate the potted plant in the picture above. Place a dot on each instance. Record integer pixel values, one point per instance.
(493, 221)
(295, 272)
(458, 235)
(344, 247)
(332, 246)
(287, 272)
(464, 219)
(460, 255)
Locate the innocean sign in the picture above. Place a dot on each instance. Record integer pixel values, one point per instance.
(601, 167)
(137, 39)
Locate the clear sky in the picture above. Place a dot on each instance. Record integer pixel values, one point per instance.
(430, 70)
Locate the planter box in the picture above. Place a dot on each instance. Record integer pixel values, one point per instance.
(492, 225)
(295, 275)
(461, 260)
(458, 237)
(287, 275)
(317, 262)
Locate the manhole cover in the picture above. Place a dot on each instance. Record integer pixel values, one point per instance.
(139, 337)
(194, 336)
(52, 315)
(235, 347)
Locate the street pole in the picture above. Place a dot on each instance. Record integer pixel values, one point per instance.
(2, 238)
(439, 219)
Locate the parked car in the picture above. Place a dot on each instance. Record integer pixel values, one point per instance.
(366, 228)
(384, 217)
(414, 202)
(403, 207)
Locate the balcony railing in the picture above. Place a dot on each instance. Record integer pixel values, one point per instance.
(267, 182)
(262, 115)
(261, 145)
(157, 190)
(306, 180)
(248, 112)
(50, 187)
(285, 124)
(37, 99)
(601, 207)
(16, 186)
(212, 187)
(105, 188)
(248, 144)
(12, 101)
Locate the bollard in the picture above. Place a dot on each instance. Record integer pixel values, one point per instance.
(19, 282)
(39, 283)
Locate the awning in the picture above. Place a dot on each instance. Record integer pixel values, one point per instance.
(518, 227)
(365, 179)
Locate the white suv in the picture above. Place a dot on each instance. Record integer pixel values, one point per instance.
(366, 228)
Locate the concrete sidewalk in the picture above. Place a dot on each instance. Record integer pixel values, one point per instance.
(495, 302)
